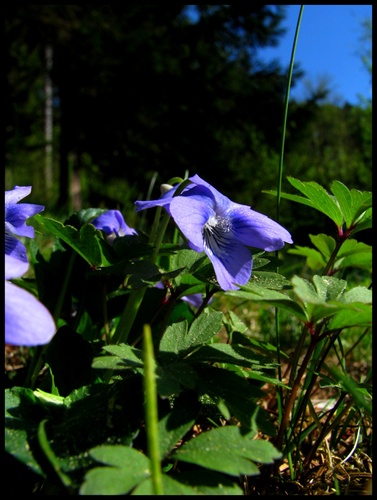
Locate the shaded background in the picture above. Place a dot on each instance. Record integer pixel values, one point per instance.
(106, 102)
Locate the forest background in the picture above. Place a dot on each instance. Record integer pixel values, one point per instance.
(103, 103)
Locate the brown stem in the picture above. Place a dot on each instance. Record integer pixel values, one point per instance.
(292, 396)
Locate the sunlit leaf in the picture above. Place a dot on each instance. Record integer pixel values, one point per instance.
(199, 482)
(314, 259)
(320, 198)
(354, 314)
(226, 450)
(352, 202)
(126, 467)
(86, 241)
(267, 296)
(325, 244)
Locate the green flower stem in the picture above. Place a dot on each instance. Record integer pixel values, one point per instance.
(156, 223)
(160, 235)
(151, 411)
(128, 316)
(136, 297)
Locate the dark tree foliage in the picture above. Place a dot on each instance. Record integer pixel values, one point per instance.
(145, 88)
(141, 90)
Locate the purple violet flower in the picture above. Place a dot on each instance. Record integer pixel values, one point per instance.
(113, 224)
(15, 217)
(195, 299)
(224, 230)
(27, 321)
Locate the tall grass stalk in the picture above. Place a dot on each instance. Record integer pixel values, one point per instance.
(280, 177)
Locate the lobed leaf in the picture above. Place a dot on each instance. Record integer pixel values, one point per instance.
(199, 482)
(226, 450)
(320, 199)
(355, 314)
(352, 202)
(87, 241)
(128, 467)
(270, 297)
(233, 395)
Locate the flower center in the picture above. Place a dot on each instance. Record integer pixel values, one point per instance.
(216, 231)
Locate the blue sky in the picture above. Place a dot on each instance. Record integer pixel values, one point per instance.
(328, 47)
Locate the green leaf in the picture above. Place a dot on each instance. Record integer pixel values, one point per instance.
(178, 340)
(235, 324)
(200, 482)
(354, 254)
(228, 390)
(272, 281)
(358, 294)
(226, 450)
(362, 398)
(364, 222)
(329, 288)
(268, 349)
(230, 353)
(173, 377)
(292, 197)
(316, 298)
(126, 468)
(22, 416)
(354, 314)
(328, 298)
(315, 197)
(352, 203)
(87, 241)
(320, 199)
(172, 341)
(123, 357)
(325, 244)
(189, 260)
(270, 297)
(314, 259)
(178, 421)
(203, 329)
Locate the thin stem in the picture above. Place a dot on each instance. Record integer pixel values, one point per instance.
(332, 258)
(290, 73)
(128, 316)
(156, 223)
(151, 411)
(327, 428)
(280, 177)
(292, 395)
(136, 297)
(160, 235)
(297, 353)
